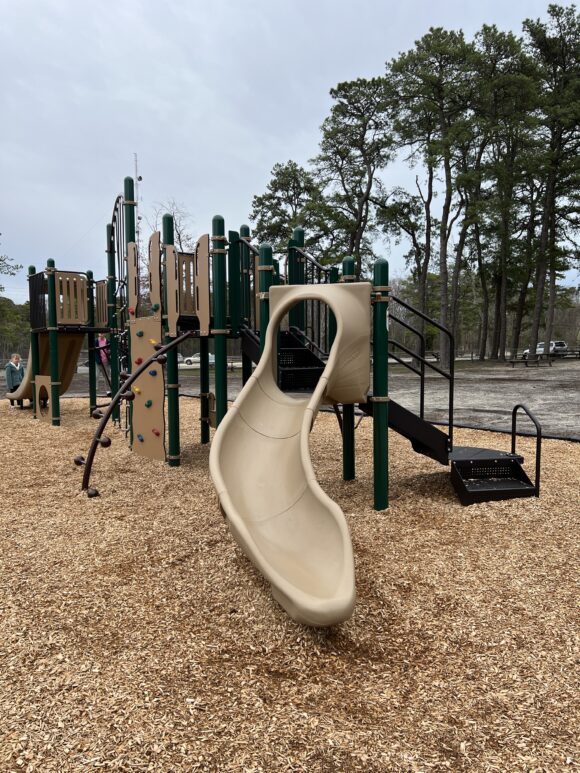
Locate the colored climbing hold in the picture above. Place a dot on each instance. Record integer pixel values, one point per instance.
(139, 333)
(152, 341)
(148, 403)
(152, 372)
(137, 390)
(156, 432)
(155, 307)
(140, 438)
(131, 310)
(139, 360)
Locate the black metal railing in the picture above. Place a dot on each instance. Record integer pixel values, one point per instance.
(38, 295)
(316, 313)
(449, 374)
(526, 410)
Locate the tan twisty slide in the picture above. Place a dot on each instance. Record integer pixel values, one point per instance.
(69, 348)
(260, 464)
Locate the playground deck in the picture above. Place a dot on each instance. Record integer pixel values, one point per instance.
(135, 636)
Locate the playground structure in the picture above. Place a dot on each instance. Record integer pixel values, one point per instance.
(227, 288)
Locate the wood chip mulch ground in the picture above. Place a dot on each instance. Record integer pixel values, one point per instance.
(135, 636)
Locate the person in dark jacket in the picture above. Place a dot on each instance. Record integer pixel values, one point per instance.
(14, 376)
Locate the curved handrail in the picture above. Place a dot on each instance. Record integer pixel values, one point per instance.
(538, 439)
(121, 394)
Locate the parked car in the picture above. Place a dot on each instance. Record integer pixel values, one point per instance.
(195, 360)
(179, 357)
(557, 349)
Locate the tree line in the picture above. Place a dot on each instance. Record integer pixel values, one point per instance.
(490, 129)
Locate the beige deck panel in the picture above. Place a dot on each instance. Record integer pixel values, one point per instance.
(155, 269)
(101, 311)
(284, 522)
(172, 310)
(72, 306)
(202, 284)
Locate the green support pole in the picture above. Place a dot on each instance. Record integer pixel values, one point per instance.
(348, 454)
(91, 343)
(173, 444)
(380, 385)
(292, 271)
(246, 301)
(204, 387)
(34, 352)
(219, 316)
(334, 276)
(265, 270)
(53, 345)
(298, 239)
(234, 281)
(130, 208)
(112, 319)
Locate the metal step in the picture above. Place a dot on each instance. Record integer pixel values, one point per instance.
(484, 475)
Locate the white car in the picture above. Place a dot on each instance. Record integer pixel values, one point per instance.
(557, 349)
(195, 360)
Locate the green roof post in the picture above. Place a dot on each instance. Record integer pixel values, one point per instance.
(246, 296)
(34, 351)
(334, 277)
(234, 281)
(53, 344)
(300, 316)
(265, 270)
(91, 343)
(348, 446)
(381, 384)
(219, 250)
(112, 319)
(173, 441)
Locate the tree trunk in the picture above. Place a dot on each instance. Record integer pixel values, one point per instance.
(484, 295)
(496, 320)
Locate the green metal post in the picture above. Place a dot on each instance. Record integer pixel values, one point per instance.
(380, 385)
(173, 444)
(129, 206)
(204, 387)
(130, 209)
(334, 276)
(91, 343)
(219, 316)
(234, 281)
(53, 345)
(112, 319)
(265, 270)
(246, 301)
(348, 453)
(34, 352)
(298, 238)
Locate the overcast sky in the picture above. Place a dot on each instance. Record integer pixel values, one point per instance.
(210, 95)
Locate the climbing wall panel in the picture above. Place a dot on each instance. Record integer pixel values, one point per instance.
(148, 405)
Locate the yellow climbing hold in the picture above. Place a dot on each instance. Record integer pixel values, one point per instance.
(137, 390)
(152, 341)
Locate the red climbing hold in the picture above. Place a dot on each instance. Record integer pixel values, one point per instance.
(156, 432)
(139, 360)
(131, 310)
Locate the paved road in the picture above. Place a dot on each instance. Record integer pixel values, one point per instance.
(485, 394)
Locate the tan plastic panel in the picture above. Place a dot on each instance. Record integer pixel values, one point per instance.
(155, 269)
(69, 348)
(172, 310)
(101, 315)
(72, 306)
(284, 522)
(148, 419)
(133, 277)
(202, 285)
(42, 388)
